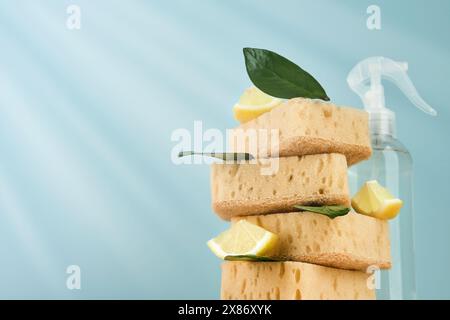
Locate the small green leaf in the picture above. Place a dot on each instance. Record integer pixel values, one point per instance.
(329, 211)
(226, 156)
(280, 77)
(249, 257)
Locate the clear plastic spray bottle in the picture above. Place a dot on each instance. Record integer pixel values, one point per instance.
(391, 165)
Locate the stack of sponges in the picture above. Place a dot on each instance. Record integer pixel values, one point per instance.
(316, 257)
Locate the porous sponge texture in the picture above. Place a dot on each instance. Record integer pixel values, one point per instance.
(352, 242)
(239, 189)
(242, 280)
(308, 126)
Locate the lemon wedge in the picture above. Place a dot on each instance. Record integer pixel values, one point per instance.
(375, 201)
(254, 103)
(243, 238)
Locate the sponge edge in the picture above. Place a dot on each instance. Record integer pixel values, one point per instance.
(241, 189)
(308, 126)
(292, 281)
(352, 242)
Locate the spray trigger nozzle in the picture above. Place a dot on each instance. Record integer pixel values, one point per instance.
(365, 80)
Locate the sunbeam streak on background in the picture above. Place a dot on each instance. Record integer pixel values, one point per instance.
(33, 246)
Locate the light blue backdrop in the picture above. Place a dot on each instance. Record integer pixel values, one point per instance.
(86, 118)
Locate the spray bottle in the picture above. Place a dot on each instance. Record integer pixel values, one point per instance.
(391, 165)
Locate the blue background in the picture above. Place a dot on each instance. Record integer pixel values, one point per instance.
(86, 118)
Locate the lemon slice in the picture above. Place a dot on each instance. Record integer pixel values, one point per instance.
(253, 103)
(375, 201)
(243, 238)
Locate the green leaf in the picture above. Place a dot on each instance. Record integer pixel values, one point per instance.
(226, 156)
(249, 257)
(280, 77)
(329, 211)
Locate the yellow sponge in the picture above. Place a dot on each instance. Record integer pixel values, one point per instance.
(308, 126)
(292, 281)
(352, 241)
(240, 189)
